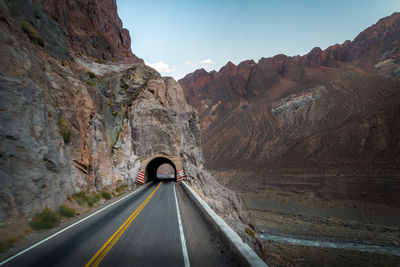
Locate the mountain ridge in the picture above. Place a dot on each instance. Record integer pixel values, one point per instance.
(329, 111)
(335, 52)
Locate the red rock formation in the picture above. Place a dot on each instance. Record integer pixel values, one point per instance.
(330, 109)
(94, 27)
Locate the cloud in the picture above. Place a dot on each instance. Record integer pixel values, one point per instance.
(197, 64)
(206, 61)
(161, 66)
(191, 64)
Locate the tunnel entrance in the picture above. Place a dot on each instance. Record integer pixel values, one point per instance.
(165, 171)
(160, 169)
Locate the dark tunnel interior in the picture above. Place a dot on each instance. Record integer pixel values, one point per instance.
(152, 166)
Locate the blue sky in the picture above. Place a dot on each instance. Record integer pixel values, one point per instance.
(177, 36)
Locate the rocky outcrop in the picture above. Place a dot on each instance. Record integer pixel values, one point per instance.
(163, 123)
(330, 111)
(40, 28)
(94, 27)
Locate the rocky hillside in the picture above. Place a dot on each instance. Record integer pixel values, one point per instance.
(94, 27)
(69, 124)
(333, 111)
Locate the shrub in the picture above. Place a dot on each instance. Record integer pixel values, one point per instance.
(40, 42)
(95, 199)
(250, 232)
(32, 32)
(105, 195)
(65, 130)
(3, 246)
(92, 75)
(91, 83)
(81, 198)
(100, 60)
(121, 188)
(109, 102)
(45, 220)
(66, 211)
(79, 195)
(80, 202)
(89, 201)
(11, 241)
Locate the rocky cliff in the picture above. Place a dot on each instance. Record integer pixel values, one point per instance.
(94, 27)
(69, 124)
(329, 113)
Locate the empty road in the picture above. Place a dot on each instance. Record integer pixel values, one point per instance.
(145, 229)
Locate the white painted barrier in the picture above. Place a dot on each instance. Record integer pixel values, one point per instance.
(245, 253)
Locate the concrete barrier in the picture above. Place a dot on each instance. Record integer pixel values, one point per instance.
(245, 253)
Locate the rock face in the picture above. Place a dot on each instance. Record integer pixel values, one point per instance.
(331, 112)
(68, 124)
(49, 34)
(94, 27)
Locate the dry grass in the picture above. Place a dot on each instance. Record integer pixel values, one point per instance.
(92, 75)
(65, 130)
(47, 219)
(81, 198)
(105, 195)
(121, 188)
(250, 232)
(66, 212)
(32, 33)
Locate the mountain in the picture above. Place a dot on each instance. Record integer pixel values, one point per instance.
(293, 122)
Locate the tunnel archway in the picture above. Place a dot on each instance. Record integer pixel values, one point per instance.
(154, 164)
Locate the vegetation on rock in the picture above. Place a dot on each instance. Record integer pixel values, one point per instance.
(109, 102)
(105, 195)
(89, 82)
(6, 244)
(32, 33)
(91, 75)
(45, 220)
(121, 188)
(81, 198)
(66, 211)
(3, 246)
(65, 130)
(250, 232)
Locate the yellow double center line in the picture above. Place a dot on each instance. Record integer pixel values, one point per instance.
(99, 256)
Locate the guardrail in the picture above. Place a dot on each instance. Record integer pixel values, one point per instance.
(245, 253)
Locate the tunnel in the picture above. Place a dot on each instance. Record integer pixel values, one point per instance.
(154, 164)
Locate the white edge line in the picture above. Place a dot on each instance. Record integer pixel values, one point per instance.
(182, 234)
(72, 225)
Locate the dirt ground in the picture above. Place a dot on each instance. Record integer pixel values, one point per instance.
(326, 228)
(280, 254)
(341, 208)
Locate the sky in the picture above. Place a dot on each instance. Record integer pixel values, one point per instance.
(177, 37)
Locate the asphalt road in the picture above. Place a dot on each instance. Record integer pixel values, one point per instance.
(141, 230)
